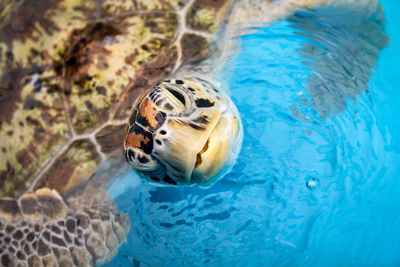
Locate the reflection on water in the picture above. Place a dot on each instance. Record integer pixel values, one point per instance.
(315, 180)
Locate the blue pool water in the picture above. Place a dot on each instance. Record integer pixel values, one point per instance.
(317, 181)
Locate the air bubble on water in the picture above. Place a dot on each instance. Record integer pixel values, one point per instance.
(312, 183)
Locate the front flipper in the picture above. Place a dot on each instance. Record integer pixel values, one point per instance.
(341, 45)
(341, 42)
(40, 229)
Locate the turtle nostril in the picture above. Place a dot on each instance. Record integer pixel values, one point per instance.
(177, 95)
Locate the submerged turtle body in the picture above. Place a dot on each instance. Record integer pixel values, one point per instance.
(177, 158)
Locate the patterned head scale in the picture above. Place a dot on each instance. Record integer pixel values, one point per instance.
(182, 131)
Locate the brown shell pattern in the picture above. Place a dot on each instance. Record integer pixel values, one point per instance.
(70, 72)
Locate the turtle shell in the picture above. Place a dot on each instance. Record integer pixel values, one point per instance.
(70, 71)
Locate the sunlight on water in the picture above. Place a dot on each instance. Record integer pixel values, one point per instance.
(316, 181)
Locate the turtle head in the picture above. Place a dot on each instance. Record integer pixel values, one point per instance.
(182, 131)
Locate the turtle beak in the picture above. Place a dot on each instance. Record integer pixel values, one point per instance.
(195, 153)
(218, 150)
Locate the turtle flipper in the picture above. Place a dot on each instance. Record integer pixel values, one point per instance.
(40, 229)
(342, 44)
(340, 40)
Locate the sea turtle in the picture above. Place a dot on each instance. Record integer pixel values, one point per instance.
(72, 72)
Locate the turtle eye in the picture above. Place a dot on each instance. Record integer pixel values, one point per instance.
(170, 98)
(178, 95)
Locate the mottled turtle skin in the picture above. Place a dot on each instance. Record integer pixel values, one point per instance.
(70, 71)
